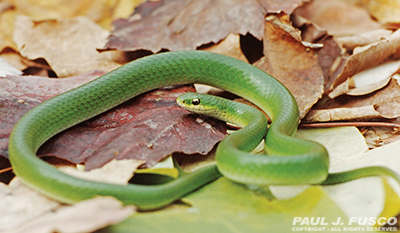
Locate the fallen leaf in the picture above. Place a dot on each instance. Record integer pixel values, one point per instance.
(347, 151)
(289, 61)
(341, 142)
(276, 6)
(383, 11)
(24, 210)
(76, 39)
(149, 127)
(370, 56)
(113, 172)
(381, 104)
(186, 24)
(224, 206)
(385, 156)
(19, 94)
(327, 54)
(230, 46)
(379, 136)
(371, 37)
(101, 11)
(7, 15)
(7, 69)
(339, 18)
(342, 114)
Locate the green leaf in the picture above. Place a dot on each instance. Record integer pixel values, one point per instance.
(224, 206)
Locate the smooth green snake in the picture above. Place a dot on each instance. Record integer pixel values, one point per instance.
(289, 160)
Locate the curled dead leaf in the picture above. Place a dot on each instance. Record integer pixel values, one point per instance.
(381, 104)
(350, 42)
(373, 55)
(289, 61)
(341, 114)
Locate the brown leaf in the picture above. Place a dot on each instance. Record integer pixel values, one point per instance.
(288, 60)
(229, 46)
(19, 94)
(380, 104)
(328, 51)
(341, 114)
(148, 127)
(369, 56)
(287, 6)
(339, 18)
(370, 37)
(186, 24)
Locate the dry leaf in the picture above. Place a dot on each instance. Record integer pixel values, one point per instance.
(69, 46)
(341, 114)
(383, 11)
(100, 11)
(288, 60)
(113, 172)
(382, 104)
(24, 210)
(6, 16)
(371, 56)
(339, 18)
(7, 69)
(148, 127)
(328, 54)
(277, 6)
(230, 46)
(362, 39)
(186, 24)
(19, 94)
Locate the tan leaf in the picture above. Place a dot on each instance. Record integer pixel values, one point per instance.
(362, 39)
(341, 114)
(339, 18)
(69, 46)
(7, 15)
(24, 210)
(371, 56)
(384, 11)
(382, 104)
(100, 11)
(114, 172)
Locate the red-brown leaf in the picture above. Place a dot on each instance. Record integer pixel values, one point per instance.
(148, 127)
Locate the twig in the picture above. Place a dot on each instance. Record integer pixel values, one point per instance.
(341, 124)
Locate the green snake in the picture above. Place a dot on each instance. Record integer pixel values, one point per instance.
(288, 160)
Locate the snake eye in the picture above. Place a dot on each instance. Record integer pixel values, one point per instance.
(196, 101)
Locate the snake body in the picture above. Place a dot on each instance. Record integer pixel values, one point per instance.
(288, 161)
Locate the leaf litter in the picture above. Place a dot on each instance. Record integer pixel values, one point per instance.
(328, 46)
(147, 128)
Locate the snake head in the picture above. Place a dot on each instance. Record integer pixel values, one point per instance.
(199, 103)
